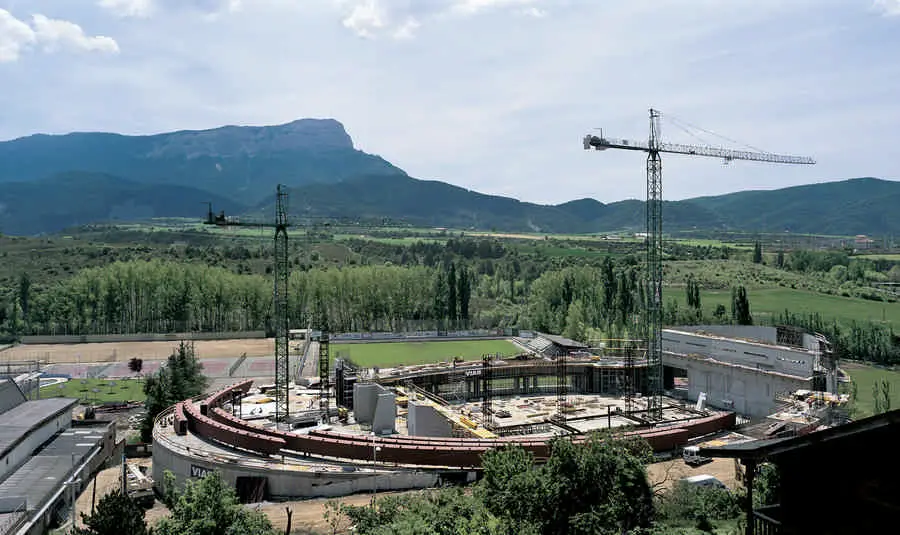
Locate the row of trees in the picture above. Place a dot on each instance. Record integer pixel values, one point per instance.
(156, 296)
(856, 340)
(599, 487)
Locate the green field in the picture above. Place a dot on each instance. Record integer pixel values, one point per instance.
(864, 377)
(107, 390)
(396, 353)
(894, 257)
(768, 302)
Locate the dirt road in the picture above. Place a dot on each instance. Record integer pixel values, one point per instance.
(668, 472)
(123, 351)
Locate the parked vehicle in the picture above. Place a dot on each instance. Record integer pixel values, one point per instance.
(692, 457)
(704, 480)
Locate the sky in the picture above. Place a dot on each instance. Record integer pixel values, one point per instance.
(490, 95)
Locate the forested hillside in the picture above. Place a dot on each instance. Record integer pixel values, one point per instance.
(243, 163)
(53, 182)
(78, 198)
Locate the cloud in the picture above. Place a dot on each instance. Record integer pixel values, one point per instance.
(400, 18)
(52, 34)
(15, 35)
(148, 8)
(535, 12)
(476, 6)
(128, 8)
(889, 8)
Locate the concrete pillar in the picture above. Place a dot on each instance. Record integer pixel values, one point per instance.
(385, 416)
(749, 477)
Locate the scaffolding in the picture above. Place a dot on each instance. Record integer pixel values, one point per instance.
(487, 394)
(562, 388)
(345, 376)
(324, 377)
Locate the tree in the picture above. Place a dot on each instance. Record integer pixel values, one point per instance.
(881, 396)
(740, 306)
(335, 517)
(451, 293)
(576, 322)
(692, 289)
(599, 486)
(779, 259)
(766, 485)
(24, 294)
(136, 365)
(439, 309)
(757, 253)
(465, 294)
(116, 514)
(209, 506)
(449, 511)
(181, 378)
(608, 276)
(721, 314)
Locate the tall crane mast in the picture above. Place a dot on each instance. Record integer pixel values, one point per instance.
(279, 294)
(652, 323)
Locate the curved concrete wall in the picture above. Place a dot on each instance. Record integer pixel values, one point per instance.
(282, 483)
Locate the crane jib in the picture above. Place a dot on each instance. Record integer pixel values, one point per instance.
(599, 143)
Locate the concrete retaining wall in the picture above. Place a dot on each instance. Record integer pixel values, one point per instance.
(748, 391)
(146, 337)
(423, 420)
(288, 483)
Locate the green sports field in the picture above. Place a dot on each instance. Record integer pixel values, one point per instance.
(107, 390)
(396, 353)
(865, 376)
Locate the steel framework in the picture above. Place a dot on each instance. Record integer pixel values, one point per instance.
(279, 293)
(562, 387)
(652, 324)
(282, 273)
(324, 378)
(487, 392)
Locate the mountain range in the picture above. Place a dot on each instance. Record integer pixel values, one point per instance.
(50, 182)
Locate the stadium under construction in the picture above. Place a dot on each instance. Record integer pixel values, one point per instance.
(418, 426)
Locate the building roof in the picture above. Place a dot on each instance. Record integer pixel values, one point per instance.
(564, 342)
(18, 421)
(10, 395)
(42, 475)
(761, 449)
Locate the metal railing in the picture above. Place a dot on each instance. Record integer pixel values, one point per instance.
(764, 523)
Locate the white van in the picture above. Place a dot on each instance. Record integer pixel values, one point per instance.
(692, 457)
(703, 480)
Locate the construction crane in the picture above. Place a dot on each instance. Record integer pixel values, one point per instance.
(280, 296)
(653, 307)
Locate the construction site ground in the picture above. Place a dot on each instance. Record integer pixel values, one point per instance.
(664, 474)
(309, 514)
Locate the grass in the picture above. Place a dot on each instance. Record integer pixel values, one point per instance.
(720, 527)
(107, 390)
(894, 257)
(396, 353)
(769, 302)
(865, 376)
